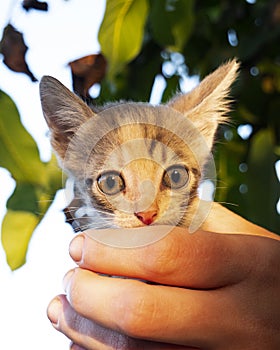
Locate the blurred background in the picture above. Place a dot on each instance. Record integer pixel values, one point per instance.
(109, 50)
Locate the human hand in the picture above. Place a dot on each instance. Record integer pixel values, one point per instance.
(215, 291)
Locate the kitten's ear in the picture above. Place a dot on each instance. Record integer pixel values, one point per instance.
(207, 105)
(64, 112)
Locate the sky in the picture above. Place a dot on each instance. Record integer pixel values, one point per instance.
(64, 33)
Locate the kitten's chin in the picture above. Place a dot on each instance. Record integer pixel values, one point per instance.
(133, 224)
(159, 222)
(139, 226)
(138, 221)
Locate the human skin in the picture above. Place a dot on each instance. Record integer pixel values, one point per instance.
(212, 291)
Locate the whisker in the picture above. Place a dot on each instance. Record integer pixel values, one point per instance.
(87, 212)
(78, 218)
(228, 203)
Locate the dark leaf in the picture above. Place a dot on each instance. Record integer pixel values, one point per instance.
(87, 71)
(34, 4)
(172, 23)
(172, 86)
(263, 185)
(13, 48)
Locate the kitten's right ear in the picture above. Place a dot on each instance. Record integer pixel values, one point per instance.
(64, 112)
(207, 105)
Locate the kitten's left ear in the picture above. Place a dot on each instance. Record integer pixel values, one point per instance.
(206, 106)
(64, 112)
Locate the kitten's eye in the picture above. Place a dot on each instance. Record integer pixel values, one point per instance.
(110, 183)
(176, 176)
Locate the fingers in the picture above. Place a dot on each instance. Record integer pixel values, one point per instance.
(85, 334)
(202, 260)
(145, 311)
(76, 347)
(240, 308)
(88, 335)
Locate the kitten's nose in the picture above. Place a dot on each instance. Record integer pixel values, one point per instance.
(147, 217)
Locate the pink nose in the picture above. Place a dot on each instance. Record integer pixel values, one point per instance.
(147, 217)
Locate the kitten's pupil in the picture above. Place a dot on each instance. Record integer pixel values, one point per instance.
(111, 182)
(175, 176)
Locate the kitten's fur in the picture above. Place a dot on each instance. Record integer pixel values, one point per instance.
(149, 158)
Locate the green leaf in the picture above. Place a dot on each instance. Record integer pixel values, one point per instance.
(122, 31)
(172, 22)
(36, 183)
(24, 198)
(18, 151)
(17, 229)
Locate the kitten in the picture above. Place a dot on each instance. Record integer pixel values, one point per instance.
(135, 164)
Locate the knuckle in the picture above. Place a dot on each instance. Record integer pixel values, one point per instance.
(136, 313)
(161, 261)
(74, 294)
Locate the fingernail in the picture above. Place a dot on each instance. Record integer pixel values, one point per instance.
(67, 279)
(76, 248)
(54, 310)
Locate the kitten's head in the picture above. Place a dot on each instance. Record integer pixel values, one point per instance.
(133, 163)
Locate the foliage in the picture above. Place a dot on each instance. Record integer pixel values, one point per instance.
(36, 183)
(141, 39)
(122, 31)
